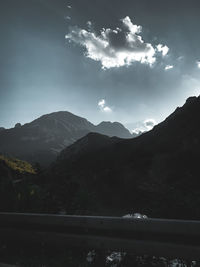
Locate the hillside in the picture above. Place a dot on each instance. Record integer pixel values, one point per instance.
(19, 187)
(17, 165)
(43, 139)
(156, 173)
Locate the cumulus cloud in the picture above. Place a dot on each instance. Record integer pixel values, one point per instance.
(115, 48)
(198, 64)
(169, 67)
(163, 49)
(103, 107)
(144, 126)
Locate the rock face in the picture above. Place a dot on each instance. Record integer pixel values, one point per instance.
(42, 140)
(156, 173)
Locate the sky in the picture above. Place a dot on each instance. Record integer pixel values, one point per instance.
(132, 61)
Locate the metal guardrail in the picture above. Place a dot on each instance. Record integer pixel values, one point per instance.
(158, 237)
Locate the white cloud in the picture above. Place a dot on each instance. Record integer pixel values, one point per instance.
(198, 64)
(115, 48)
(103, 107)
(107, 109)
(163, 49)
(137, 131)
(149, 123)
(69, 6)
(169, 67)
(133, 29)
(144, 126)
(101, 103)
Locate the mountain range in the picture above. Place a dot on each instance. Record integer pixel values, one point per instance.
(43, 139)
(156, 173)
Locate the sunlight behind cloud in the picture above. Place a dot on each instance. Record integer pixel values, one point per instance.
(144, 126)
(115, 48)
(198, 64)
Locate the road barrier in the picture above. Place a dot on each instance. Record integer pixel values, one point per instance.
(154, 237)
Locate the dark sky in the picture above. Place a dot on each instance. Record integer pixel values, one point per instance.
(117, 74)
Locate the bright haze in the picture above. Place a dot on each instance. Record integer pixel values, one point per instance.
(130, 61)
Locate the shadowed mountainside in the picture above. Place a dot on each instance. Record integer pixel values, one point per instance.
(156, 173)
(19, 191)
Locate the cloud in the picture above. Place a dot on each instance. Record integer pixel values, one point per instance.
(115, 48)
(149, 123)
(89, 24)
(169, 67)
(198, 64)
(68, 18)
(107, 109)
(103, 107)
(144, 126)
(137, 131)
(101, 103)
(69, 6)
(163, 49)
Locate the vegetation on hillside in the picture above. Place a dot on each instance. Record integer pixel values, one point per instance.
(18, 165)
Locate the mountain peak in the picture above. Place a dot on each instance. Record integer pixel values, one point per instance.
(90, 142)
(113, 129)
(44, 138)
(18, 125)
(63, 118)
(192, 99)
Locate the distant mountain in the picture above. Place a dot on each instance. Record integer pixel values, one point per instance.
(42, 139)
(2, 129)
(156, 173)
(113, 129)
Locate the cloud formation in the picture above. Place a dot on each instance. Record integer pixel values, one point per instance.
(198, 64)
(163, 49)
(169, 67)
(115, 48)
(103, 107)
(149, 123)
(144, 126)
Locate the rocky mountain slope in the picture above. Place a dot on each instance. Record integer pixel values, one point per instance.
(156, 173)
(42, 139)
